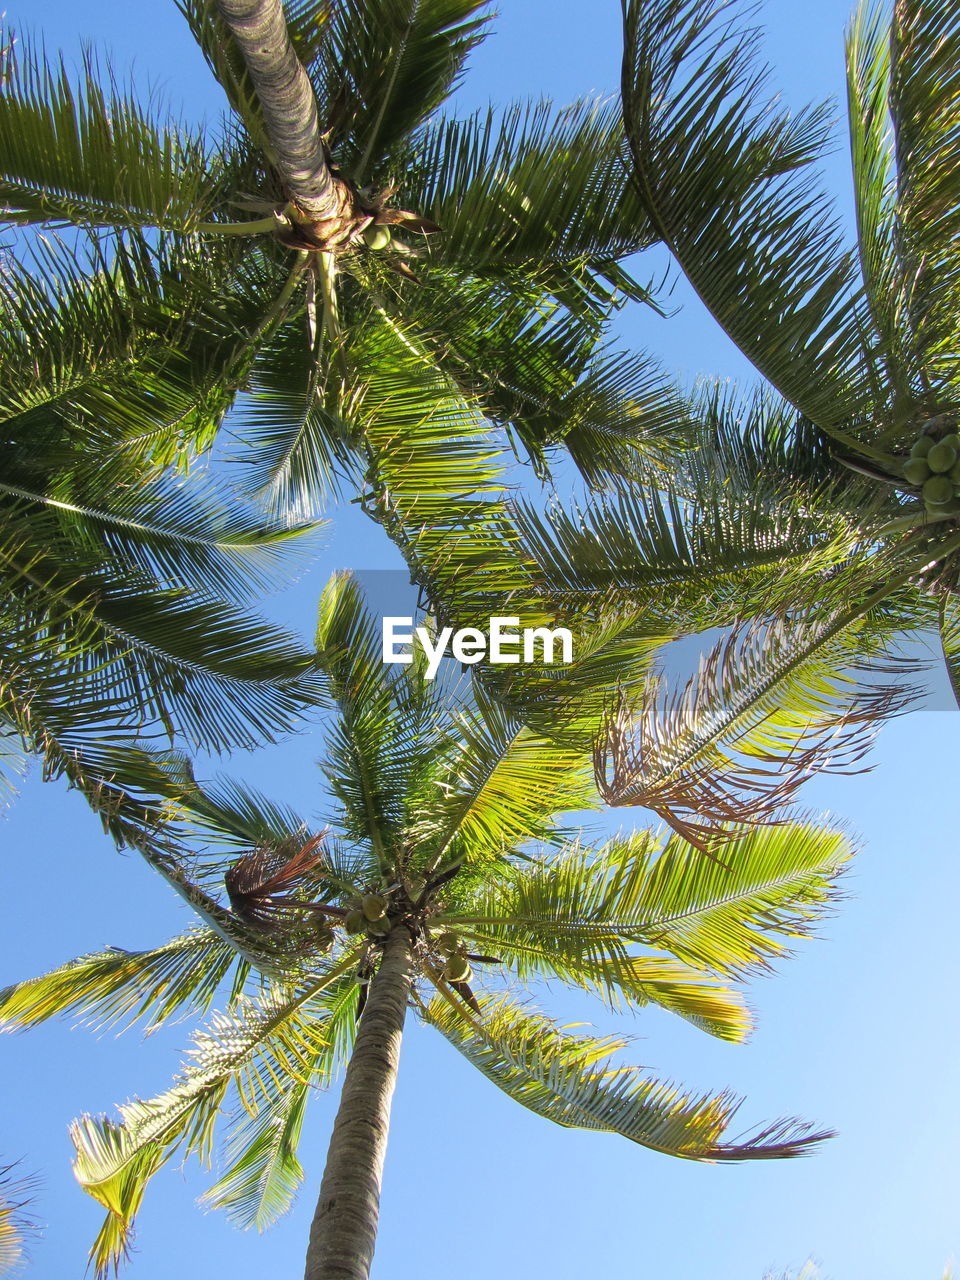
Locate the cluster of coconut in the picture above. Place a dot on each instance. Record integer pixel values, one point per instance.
(456, 966)
(368, 916)
(934, 468)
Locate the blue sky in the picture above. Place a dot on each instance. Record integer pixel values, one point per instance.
(855, 1033)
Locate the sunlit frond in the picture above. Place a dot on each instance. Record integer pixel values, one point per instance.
(724, 177)
(116, 985)
(586, 905)
(572, 1081)
(261, 1048)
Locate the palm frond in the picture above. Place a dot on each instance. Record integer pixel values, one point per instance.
(925, 109)
(531, 183)
(79, 154)
(257, 1049)
(263, 1171)
(874, 176)
(17, 1223)
(382, 67)
(117, 985)
(724, 919)
(501, 786)
(571, 1080)
(772, 704)
(724, 178)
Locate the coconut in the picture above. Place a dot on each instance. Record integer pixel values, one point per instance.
(380, 927)
(447, 943)
(457, 969)
(953, 441)
(941, 457)
(375, 237)
(937, 490)
(354, 921)
(916, 471)
(920, 448)
(373, 906)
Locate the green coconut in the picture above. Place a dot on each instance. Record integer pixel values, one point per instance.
(953, 441)
(447, 943)
(916, 471)
(375, 237)
(354, 921)
(921, 447)
(937, 491)
(941, 457)
(374, 907)
(379, 927)
(457, 969)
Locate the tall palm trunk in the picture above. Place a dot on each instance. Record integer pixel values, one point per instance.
(289, 109)
(344, 1229)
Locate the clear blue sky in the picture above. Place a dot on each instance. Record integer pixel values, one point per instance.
(858, 1032)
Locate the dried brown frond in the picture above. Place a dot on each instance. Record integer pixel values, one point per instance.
(271, 886)
(771, 705)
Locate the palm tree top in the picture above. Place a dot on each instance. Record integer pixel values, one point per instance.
(445, 807)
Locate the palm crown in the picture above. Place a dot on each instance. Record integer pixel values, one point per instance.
(426, 892)
(804, 507)
(860, 341)
(137, 335)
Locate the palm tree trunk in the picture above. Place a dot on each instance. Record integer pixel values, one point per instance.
(289, 109)
(344, 1229)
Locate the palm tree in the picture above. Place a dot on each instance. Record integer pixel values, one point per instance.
(791, 507)
(341, 368)
(859, 341)
(332, 324)
(430, 890)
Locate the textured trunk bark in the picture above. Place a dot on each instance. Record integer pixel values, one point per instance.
(344, 1229)
(290, 112)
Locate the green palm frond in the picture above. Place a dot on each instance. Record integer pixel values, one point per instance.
(540, 369)
(724, 178)
(257, 1049)
(532, 183)
(136, 346)
(14, 764)
(145, 653)
(739, 917)
(643, 542)
(116, 985)
(382, 67)
(584, 906)
(925, 108)
(263, 1171)
(295, 447)
(571, 1080)
(368, 747)
(949, 632)
(868, 98)
(167, 529)
(501, 786)
(75, 153)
